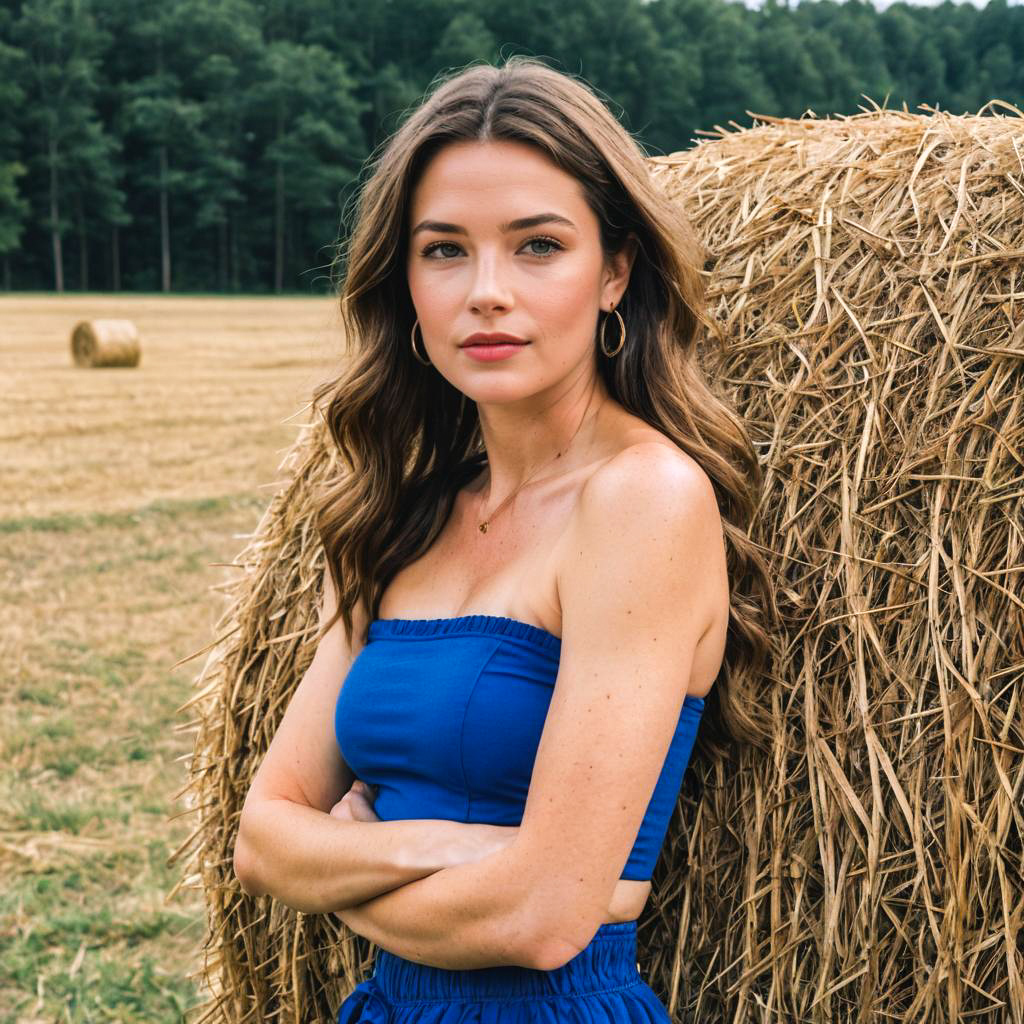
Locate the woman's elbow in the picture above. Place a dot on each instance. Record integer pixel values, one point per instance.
(244, 862)
(243, 871)
(558, 932)
(549, 953)
(549, 940)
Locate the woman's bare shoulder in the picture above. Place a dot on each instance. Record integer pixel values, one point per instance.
(646, 542)
(632, 437)
(645, 451)
(649, 466)
(644, 468)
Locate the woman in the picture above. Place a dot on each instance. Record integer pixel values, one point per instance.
(536, 569)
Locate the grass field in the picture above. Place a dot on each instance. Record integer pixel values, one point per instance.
(119, 489)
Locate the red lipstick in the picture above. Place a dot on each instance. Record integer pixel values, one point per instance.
(490, 346)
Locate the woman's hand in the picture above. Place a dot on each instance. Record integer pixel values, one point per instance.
(477, 841)
(481, 841)
(356, 804)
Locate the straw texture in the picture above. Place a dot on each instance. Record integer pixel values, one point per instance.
(868, 274)
(105, 343)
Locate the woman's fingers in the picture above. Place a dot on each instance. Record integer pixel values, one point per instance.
(355, 805)
(343, 809)
(368, 791)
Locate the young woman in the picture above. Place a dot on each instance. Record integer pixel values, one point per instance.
(537, 577)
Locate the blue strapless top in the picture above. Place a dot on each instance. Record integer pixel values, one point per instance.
(444, 717)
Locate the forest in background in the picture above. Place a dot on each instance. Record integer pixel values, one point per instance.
(215, 145)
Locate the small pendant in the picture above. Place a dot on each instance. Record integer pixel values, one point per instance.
(483, 527)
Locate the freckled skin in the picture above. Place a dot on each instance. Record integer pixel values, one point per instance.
(467, 274)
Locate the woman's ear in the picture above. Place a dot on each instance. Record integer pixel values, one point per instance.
(619, 267)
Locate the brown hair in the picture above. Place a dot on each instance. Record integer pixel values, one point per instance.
(407, 439)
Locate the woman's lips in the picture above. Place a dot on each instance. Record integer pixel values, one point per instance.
(490, 351)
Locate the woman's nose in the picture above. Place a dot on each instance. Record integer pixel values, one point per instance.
(489, 289)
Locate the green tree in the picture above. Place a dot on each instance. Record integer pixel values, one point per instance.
(96, 200)
(62, 46)
(676, 76)
(314, 141)
(219, 59)
(733, 80)
(187, 112)
(14, 208)
(795, 79)
(467, 38)
(999, 45)
(159, 115)
(227, 132)
(385, 46)
(912, 55)
(832, 40)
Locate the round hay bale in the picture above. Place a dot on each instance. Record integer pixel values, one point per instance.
(105, 343)
(868, 277)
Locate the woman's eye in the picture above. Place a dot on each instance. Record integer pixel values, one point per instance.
(437, 245)
(544, 241)
(553, 247)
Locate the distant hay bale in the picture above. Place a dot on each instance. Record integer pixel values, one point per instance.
(97, 343)
(868, 274)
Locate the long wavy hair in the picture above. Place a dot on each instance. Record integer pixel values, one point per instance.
(409, 441)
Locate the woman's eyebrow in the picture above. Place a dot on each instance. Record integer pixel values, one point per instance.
(512, 225)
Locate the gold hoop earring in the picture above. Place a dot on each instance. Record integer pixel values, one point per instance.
(622, 333)
(412, 335)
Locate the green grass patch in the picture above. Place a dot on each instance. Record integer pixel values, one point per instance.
(111, 667)
(163, 509)
(45, 696)
(39, 812)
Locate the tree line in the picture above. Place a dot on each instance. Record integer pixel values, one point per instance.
(212, 145)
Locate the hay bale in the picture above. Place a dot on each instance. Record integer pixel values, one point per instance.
(105, 343)
(867, 274)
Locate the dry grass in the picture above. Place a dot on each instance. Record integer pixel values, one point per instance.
(869, 275)
(202, 410)
(119, 489)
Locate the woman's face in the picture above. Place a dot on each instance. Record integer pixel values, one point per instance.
(472, 268)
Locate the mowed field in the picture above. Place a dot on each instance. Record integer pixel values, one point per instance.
(120, 490)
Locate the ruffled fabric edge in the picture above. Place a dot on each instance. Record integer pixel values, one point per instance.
(632, 1004)
(365, 1002)
(462, 624)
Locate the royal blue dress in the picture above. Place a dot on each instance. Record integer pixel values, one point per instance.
(443, 717)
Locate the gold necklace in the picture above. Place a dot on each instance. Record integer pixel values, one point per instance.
(487, 522)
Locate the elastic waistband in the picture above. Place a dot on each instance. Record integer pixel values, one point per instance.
(608, 963)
